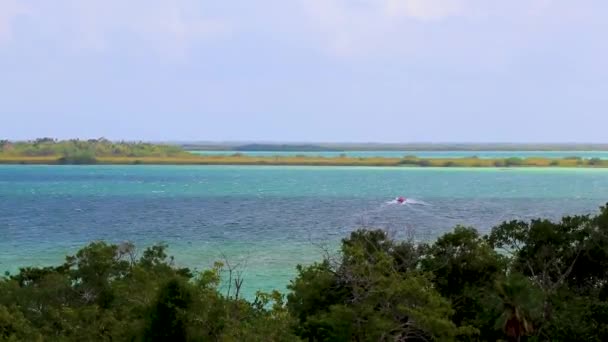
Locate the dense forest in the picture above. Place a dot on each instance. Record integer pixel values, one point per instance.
(534, 281)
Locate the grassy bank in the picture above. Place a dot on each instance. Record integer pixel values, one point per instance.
(307, 161)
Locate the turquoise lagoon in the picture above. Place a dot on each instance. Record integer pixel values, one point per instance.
(266, 218)
(420, 154)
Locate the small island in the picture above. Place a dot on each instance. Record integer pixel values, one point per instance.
(48, 151)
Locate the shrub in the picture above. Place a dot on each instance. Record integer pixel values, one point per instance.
(409, 161)
(514, 161)
(77, 159)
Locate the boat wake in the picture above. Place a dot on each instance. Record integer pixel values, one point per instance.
(407, 201)
(411, 203)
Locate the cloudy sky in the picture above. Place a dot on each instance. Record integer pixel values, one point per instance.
(305, 70)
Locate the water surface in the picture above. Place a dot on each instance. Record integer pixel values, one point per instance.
(420, 154)
(266, 217)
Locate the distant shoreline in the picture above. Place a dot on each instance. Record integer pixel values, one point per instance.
(48, 151)
(397, 147)
(570, 162)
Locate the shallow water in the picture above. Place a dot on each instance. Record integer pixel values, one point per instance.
(421, 154)
(267, 218)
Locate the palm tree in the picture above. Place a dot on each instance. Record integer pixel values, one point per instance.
(519, 306)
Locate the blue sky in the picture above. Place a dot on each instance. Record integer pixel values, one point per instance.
(305, 70)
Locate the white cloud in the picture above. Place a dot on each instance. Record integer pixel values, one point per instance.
(422, 9)
(346, 26)
(9, 10)
(349, 27)
(169, 26)
(342, 27)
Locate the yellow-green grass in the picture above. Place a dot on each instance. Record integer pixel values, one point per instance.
(9, 159)
(316, 161)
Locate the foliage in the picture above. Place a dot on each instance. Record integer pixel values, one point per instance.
(103, 151)
(540, 280)
(86, 151)
(514, 161)
(465, 269)
(375, 293)
(105, 292)
(594, 161)
(566, 263)
(424, 162)
(14, 326)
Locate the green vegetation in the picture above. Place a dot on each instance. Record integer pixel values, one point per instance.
(102, 151)
(535, 281)
(81, 151)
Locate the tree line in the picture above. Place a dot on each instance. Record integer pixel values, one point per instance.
(76, 151)
(524, 281)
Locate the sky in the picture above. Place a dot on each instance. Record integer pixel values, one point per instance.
(305, 70)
